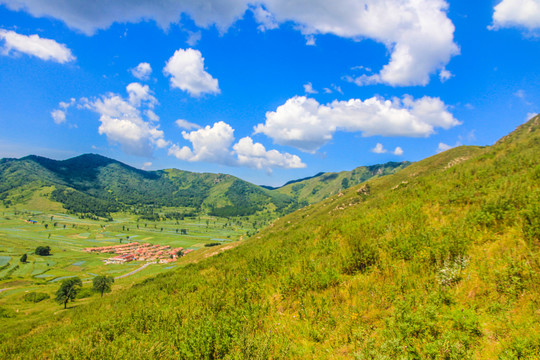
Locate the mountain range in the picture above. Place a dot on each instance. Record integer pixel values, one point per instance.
(98, 185)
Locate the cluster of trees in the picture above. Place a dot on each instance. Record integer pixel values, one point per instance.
(71, 287)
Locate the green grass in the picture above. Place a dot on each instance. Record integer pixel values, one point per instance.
(438, 261)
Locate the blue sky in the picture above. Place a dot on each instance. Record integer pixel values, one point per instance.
(269, 91)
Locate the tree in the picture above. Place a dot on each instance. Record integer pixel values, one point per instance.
(68, 290)
(43, 251)
(102, 284)
(180, 253)
(24, 258)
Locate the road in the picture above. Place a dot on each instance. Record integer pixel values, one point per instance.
(134, 271)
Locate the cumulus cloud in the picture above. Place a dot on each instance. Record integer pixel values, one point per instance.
(417, 33)
(184, 124)
(517, 13)
(142, 71)
(210, 144)
(122, 120)
(308, 89)
(186, 69)
(59, 116)
(264, 18)
(445, 75)
(378, 149)
(213, 144)
(305, 124)
(255, 155)
(45, 49)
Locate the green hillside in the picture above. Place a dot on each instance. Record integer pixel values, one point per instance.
(323, 185)
(437, 261)
(97, 186)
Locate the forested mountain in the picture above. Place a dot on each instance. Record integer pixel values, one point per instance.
(96, 185)
(437, 261)
(316, 188)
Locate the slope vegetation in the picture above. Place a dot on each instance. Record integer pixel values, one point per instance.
(324, 185)
(93, 184)
(438, 261)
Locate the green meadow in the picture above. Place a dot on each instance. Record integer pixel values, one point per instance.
(67, 235)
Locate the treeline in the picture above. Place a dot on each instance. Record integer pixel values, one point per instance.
(77, 202)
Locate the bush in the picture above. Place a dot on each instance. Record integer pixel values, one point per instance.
(85, 293)
(35, 297)
(362, 257)
(43, 251)
(7, 313)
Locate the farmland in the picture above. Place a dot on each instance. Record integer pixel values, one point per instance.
(22, 231)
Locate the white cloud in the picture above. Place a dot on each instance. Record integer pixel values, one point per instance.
(264, 18)
(90, 16)
(310, 40)
(307, 125)
(193, 38)
(255, 155)
(308, 89)
(141, 93)
(123, 123)
(184, 124)
(378, 149)
(213, 144)
(186, 68)
(417, 33)
(517, 13)
(530, 116)
(210, 144)
(59, 116)
(45, 49)
(146, 165)
(445, 75)
(443, 147)
(142, 71)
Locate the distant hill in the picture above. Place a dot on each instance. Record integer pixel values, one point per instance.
(98, 186)
(316, 188)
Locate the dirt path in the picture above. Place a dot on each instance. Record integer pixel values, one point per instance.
(5, 289)
(134, 271)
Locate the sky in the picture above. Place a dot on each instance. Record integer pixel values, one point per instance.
(267, 90)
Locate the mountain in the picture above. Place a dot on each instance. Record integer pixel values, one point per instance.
(437, 261)
(96, 185)
(316, 188)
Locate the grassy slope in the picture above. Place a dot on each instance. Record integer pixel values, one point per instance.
(320, 187)
(437, 261)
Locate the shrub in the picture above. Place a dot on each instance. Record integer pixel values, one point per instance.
(43, 251)
(35, 297)
(7, 313)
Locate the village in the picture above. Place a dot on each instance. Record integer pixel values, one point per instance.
(140, 252)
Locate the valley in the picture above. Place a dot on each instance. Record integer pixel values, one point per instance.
(439, 261)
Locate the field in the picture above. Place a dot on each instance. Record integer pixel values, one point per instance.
(22, 231)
